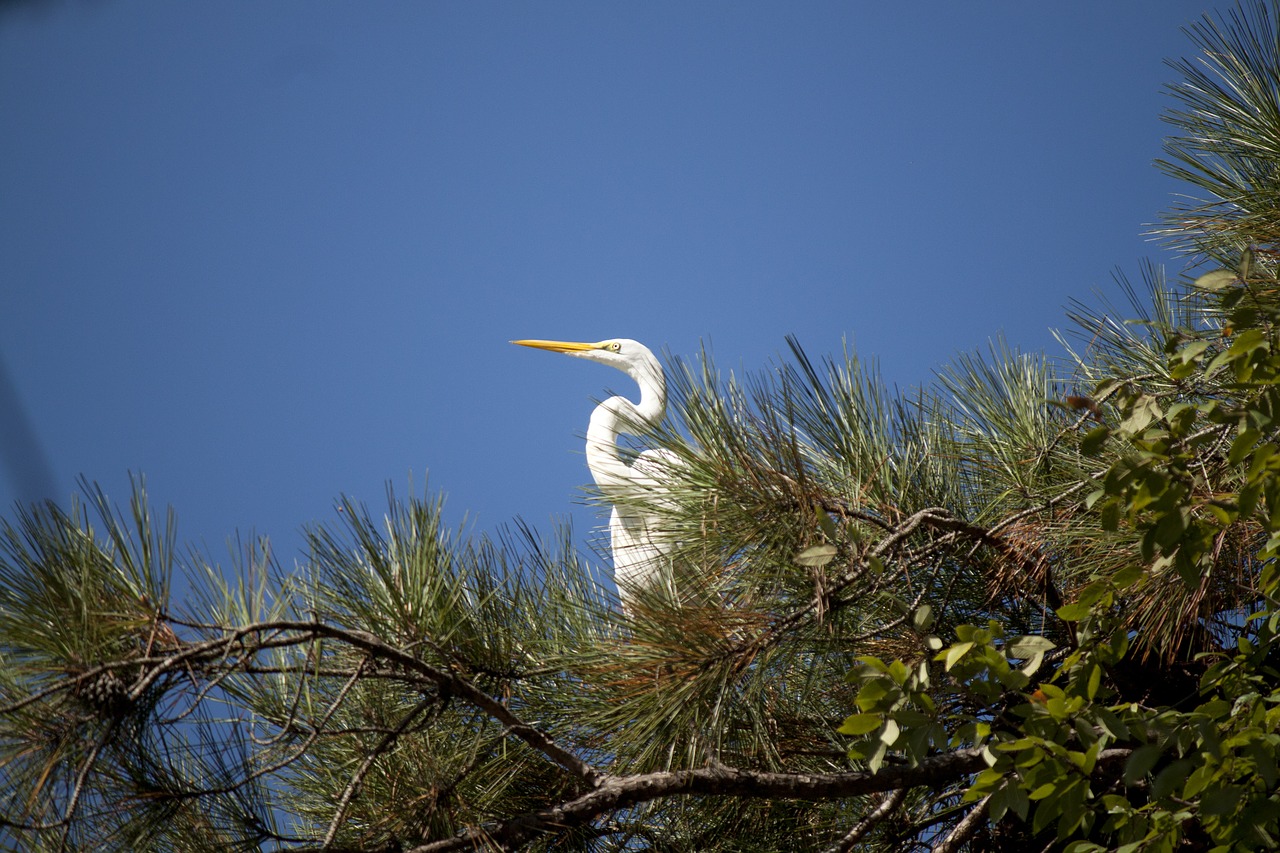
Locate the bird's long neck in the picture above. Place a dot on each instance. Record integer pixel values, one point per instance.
(619, 415)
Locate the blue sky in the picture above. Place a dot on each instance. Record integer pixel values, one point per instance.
(268, 254)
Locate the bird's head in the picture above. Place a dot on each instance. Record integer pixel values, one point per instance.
(631, 357)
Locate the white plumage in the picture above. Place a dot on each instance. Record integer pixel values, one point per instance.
(639, 545)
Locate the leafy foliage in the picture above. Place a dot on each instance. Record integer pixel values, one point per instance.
(1034, 607)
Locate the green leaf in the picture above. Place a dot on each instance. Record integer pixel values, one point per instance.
(983, 784)
(1197, 781)
(860, 724)
(816, 556)
(827, 524)
(1248, 341)
(1045, 790)
(873, 693)
(1028, 646)
(1140, 762)
(1193, 350)
(1095, 680)
(898, 672)
(922, 619)
(876, 759)
(1033, 664)
(1222, 515)
(1168, 780)
(1216, 280)
(1094, 440)
(1244, 443)
(1264, 763)
(1127, 576)
(1073, 612)
(1111, 724)
(999, 803)
(871, 662)
(956, 652)
(1019, 802)
(1094, 592)
(1145, 411)
(1111, 515)
(1220, 801)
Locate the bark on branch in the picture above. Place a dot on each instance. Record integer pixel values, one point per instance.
(619, 792)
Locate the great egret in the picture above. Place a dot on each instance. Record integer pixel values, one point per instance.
(635, 535)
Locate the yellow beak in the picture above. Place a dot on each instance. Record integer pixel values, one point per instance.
(558, 346)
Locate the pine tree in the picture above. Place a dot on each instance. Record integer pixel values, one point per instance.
(1033, 607)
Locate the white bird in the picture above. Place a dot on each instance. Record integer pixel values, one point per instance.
(639, 544)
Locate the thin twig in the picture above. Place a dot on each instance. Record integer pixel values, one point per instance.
(358, 777)
(862, 827)
(76, 792)
(965, 829)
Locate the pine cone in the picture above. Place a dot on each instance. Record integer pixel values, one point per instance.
(106, 694)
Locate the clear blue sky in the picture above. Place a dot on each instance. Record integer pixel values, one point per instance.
(272, 253)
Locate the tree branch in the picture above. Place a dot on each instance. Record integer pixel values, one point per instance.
(963, 830)
(891, 801)
(618, 792)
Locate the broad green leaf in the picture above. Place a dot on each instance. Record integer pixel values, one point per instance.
(898, 672)
(1168, 780)
(1248, 341)
(1043, 791)
(1111, 724)
(1095, 681)
(1140, 762)
(1145, 410)
(1094, 592)
(876, 759)
(956, 652)
(1127, 576)
(985, 782)
(827, 524)
(1220, 801)
(860, 724)
(1197, 781)
(1110, 514)
(872, 694)
(1193, 350)
(1094, 440)
(1073, 612)
(1028, 645)
(999, 803)
(1019, 802)
(816, 556)
(1216, 280)
(1243, 443)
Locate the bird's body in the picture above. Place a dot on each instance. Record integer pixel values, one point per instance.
(636, 538)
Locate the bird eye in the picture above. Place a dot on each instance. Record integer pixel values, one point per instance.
(615, 346)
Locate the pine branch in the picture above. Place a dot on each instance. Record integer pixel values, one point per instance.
(353, 786)
(618, 792)
(965, 829)
(890, 802)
